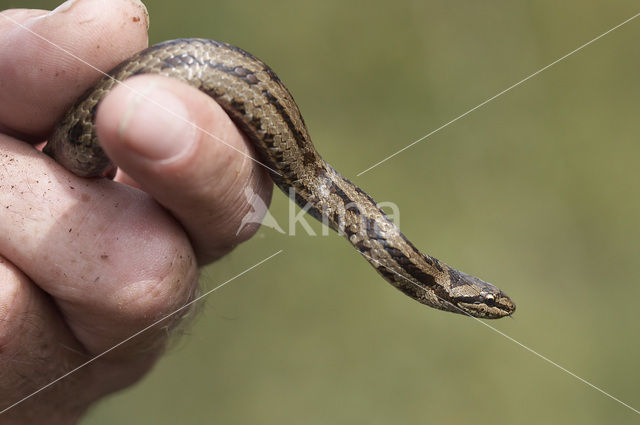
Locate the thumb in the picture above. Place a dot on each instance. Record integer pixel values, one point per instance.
(179, 145)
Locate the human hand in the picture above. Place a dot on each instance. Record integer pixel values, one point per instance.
(84, 263)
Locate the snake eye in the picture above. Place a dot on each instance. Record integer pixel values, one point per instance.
(490, 299)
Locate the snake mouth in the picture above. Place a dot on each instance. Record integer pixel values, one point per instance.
(477, 298)
(507, 305)
(489, 308)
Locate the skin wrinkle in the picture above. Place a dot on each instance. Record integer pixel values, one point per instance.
(225, 216)
(9, 296)
(229, 218)
(243, 207)
(230, 196)
(235, 200)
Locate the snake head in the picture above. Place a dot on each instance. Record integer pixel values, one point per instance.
(478, 298)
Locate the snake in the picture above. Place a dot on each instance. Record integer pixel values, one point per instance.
(262, 107)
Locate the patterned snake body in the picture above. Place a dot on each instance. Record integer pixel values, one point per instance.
(262, 107)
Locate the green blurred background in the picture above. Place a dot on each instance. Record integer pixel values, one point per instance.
(536, 191)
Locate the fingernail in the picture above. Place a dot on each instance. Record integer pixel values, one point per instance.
(63, 7)
(67, 5)
(156, 124)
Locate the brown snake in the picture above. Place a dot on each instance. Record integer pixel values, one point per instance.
(262, 107)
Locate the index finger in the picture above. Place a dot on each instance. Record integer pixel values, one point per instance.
(72, 45)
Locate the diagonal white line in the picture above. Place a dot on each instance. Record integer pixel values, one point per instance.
(548, 360)
(499, 94)
(531, 350)
(138, 92)
(93, 359)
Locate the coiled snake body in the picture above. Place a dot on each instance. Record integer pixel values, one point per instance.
(262, 107)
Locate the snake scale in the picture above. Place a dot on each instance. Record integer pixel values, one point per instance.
(262, 107)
